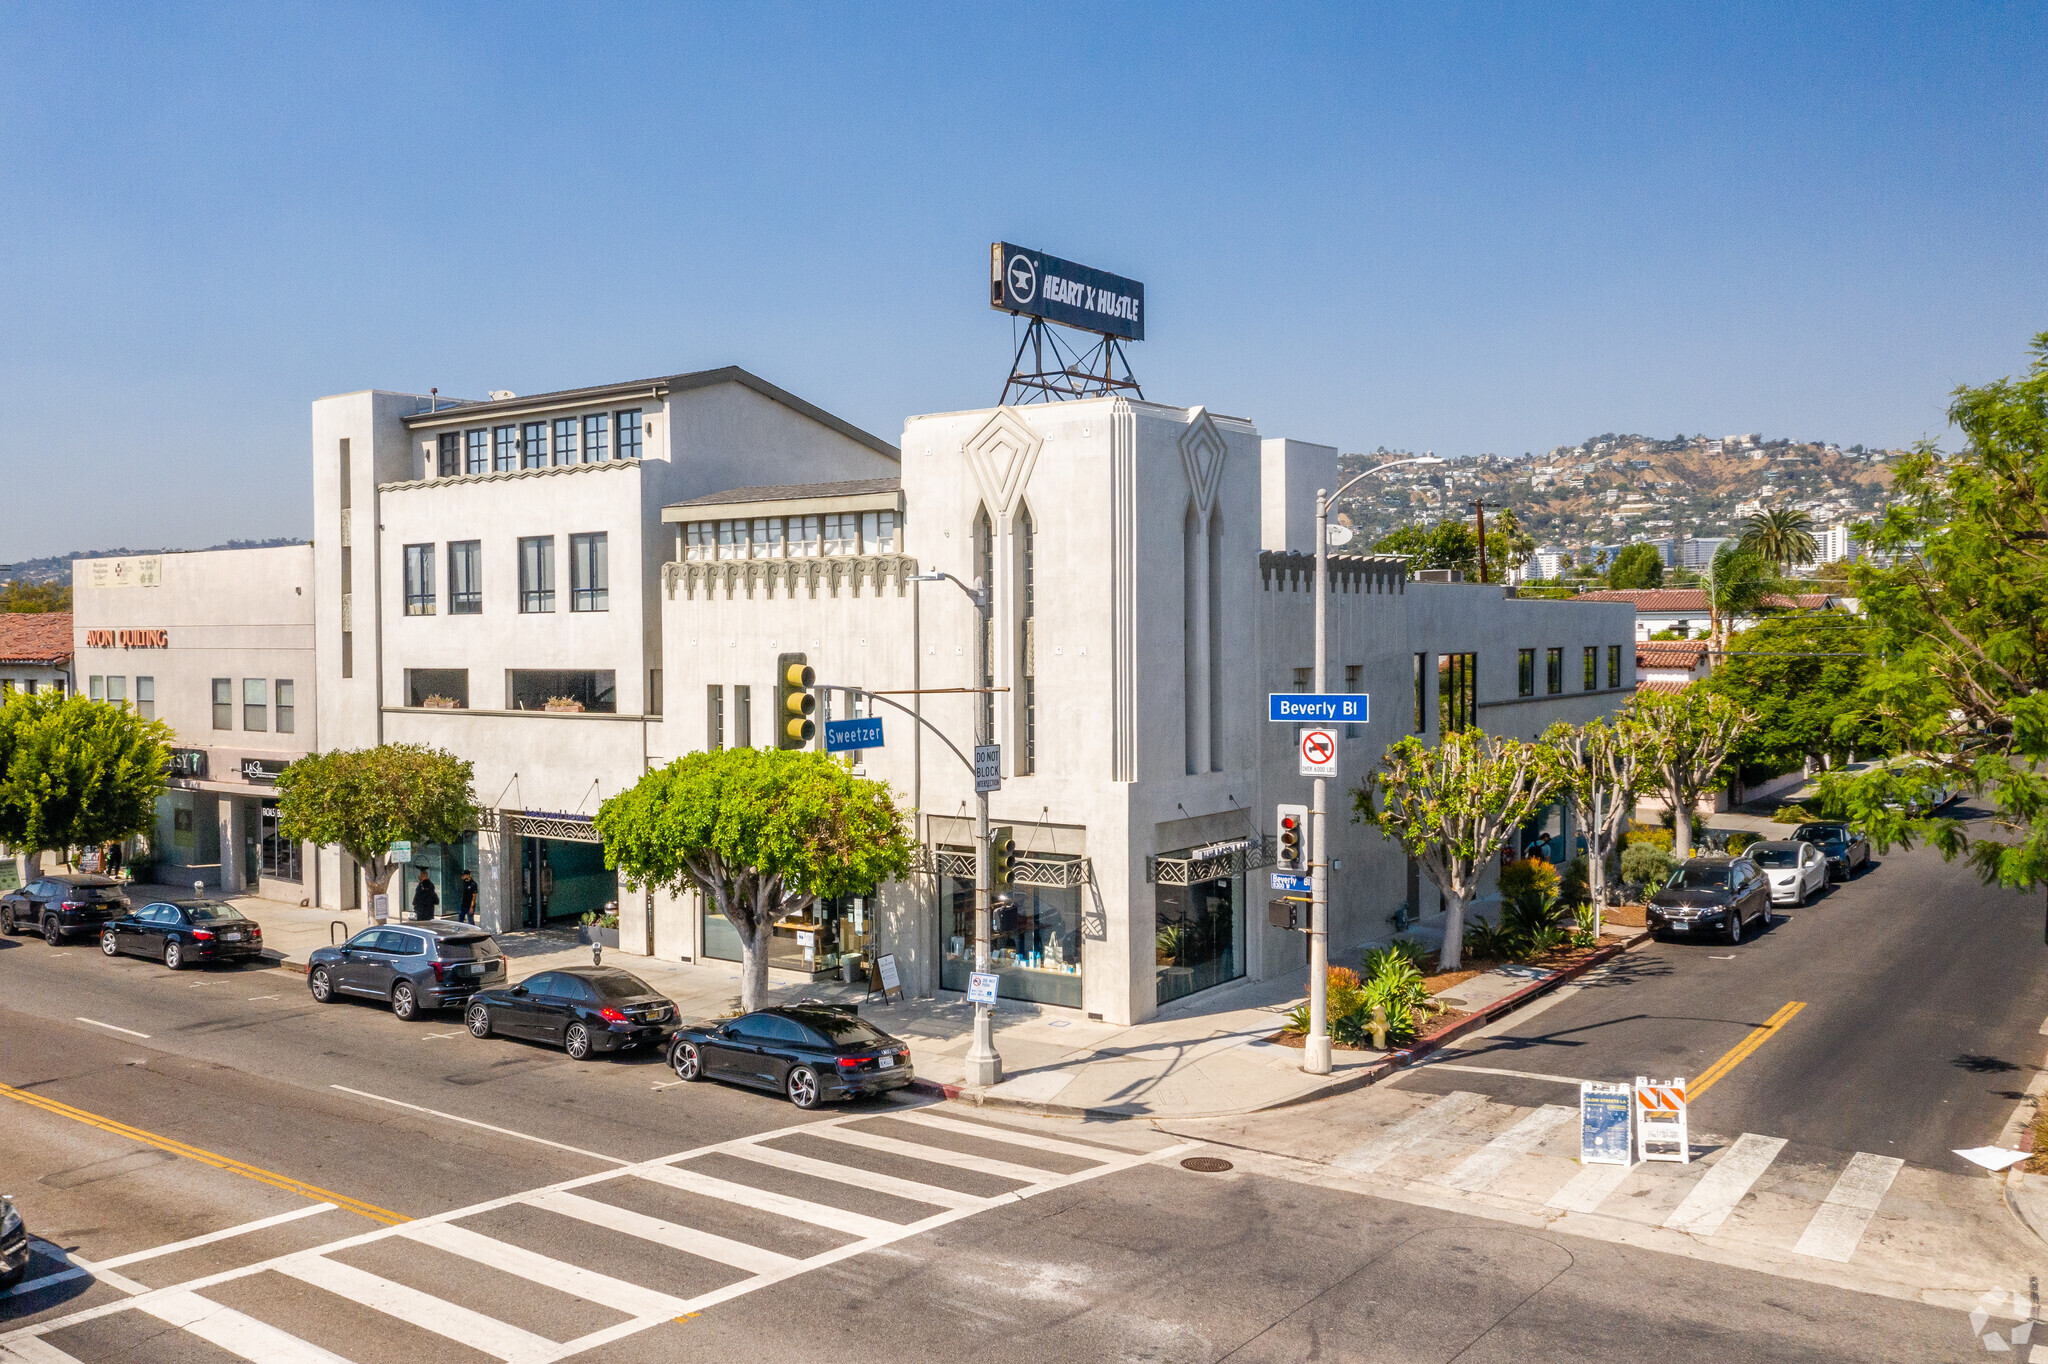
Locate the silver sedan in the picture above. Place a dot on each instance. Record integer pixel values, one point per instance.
(1795, 870)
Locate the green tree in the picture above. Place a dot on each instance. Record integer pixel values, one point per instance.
(1779, 537)
(761, 834)
(1637, 566)
(1447, 544)
(1738, 583)
(76, 772)
(1452, 808)
(1605, 767)
(366, 799)
(1507, 544)
(1799, 675)
(1687, 737)
(34, 598)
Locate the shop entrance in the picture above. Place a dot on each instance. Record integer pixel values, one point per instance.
(281, 856)
(1198, 935)
(561, 880)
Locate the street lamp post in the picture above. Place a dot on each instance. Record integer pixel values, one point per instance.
(1315, 1056)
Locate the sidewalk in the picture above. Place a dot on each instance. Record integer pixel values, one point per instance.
(1205, 1056)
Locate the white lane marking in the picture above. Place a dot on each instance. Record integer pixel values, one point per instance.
(1714, 1197)
(602, 1289)
(437, 1036)
(472, 1122)
(237, 1334)
(174, 1247)
(423, 1310)
(110, 1027)
(1422, 1123)
(1588, 1189)
(1837, 1226)
(1001, 1169)
(1494, 1070)
(34, 1350)
(1491, 1161)
(703, 1244)
(747, 1196)
(88, 1267)
(254, 998)
(860, 1179)
(1010, 1135)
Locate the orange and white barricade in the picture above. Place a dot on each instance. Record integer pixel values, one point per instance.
(1660, 1120)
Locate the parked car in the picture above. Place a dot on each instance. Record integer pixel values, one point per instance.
(581, 1009)
(429, 964)
(811, 1053)
(61, 906)
(1710, 895)
(13, 1244)
(1797, 871)
(1847, 851)
(205, 930)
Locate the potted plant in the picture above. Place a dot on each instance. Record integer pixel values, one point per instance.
(441, 703)
(564, 705)
(601, 929)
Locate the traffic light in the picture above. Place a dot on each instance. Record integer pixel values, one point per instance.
(1002, 857)
(1293, 854)
(794, 702)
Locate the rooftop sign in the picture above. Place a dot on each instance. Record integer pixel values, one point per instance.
(1038, 285)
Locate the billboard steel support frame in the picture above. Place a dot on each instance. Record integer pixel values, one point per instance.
(1075, 373)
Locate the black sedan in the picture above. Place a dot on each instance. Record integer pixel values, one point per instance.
(581, 1009)
(60, 906)
(205, 930)
(809, 1052)
(1710, 895)
(1847, 851)
(13, 1244)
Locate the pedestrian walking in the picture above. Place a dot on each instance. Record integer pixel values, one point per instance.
(425, 899)
(466, 909)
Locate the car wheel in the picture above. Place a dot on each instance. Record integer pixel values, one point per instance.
(404, 1002)
(686, 1062)
(174, 954)
(802, 1087)
(1734, 925)
(108, 945)
(478, 1020)
(51, 933)
(7, 922)
(321, 984)
(577, 1041)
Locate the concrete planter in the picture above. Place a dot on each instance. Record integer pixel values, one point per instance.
(591, 933)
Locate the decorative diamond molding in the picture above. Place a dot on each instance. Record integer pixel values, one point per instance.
(1001, 454)
(1201, 450)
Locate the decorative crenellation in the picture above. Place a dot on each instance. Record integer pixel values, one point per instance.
(830, 576)
(1293, 571)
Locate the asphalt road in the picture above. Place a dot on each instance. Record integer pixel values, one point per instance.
(1923, 994)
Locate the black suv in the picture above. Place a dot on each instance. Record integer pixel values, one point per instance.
(62, 906)
(431, 964)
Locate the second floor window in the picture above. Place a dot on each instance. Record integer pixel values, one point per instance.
(419, 580)
(255, 704)
(537, 573)
(1592, 668)
(1554, 671)
(533, 445)
(287, 706)
(589, 575)
(842, 533)
(449, 454)
(1614, 665)
(629, 434)
(476, 451)
(1525, 672)
(565, 440)
(504, 448)
(223, 703)
(145, 697)
(596, 437)
(465, 578)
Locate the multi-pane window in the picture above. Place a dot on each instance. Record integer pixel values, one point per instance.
(589, 574)
(842, 533)
(419, 580)
(1592, 667)
(1421, 693)
(145, 697)
(504, 448)
(287, 706)
(1304, 680)
(767, 537)
(629, 434)
(449, 454)
(1354, 682)
(533, 445)
(714, 718)
(803, 536)
(596, 437)
(1614, 665)
(117, 689)
(1553, 680)
(565, 440)
(255, 704)
(700, 539)
(536, 573)
(476, 451)
(1027, 643)
(1457, 691)
(732, 539)
(878, 532)
(742, 717)
(465, 578)
(1525, 672)
(96, 687)
(223, 703)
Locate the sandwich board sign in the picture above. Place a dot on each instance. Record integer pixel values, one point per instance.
(1605, 1117)
(1660, 1120)
(882, 977)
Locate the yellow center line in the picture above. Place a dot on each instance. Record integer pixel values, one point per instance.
(1738, 1053)
(204, 1157)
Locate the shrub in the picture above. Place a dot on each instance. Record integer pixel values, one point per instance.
(1646, 864)
(1484, 941)
(1578, 883)
(1528, 882)
(1655, 837)
(1740, 840)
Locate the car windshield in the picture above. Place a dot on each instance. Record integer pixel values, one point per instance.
(620, 985)
(1822, 833)
(1691, 877)
(213, 914)
(1774, 857)
(847, 1030)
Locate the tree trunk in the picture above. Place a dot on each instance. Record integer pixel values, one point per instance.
(1453, 950)
(1681, 822)
(754, 965)
(375, 884)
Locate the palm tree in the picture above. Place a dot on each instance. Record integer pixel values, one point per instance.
(1738, 581)
(1781, 536)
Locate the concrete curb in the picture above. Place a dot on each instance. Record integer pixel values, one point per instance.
(1371, 1075)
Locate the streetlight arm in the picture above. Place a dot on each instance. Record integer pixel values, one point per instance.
(1419, 459)
(974, 594)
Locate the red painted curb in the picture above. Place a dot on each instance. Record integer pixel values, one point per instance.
(1422, 1046)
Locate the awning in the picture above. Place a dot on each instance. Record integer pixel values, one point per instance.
(1044, 870)
(1209, 861)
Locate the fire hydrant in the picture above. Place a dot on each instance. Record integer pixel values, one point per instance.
(1379, 1027)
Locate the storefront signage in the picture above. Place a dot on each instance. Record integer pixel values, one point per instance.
(1038, 285)
(1604, 1116)
(882, 977)
(264, 770)
(1330, 709)
(188, 762)
(846, 736)
(145, 570)
(127, 639)
(1222, 849)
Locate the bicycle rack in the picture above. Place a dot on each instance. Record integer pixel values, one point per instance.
(332, 940)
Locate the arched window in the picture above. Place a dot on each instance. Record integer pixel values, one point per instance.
(1027, 669)
(985, 669)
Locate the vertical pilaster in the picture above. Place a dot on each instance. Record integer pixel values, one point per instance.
(493, 877)
(234, 856)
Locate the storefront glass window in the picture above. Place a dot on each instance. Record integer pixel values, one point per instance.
(819, 940)
(1035, 941)
(1198, 935)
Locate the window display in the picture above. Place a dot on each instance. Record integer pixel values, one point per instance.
(1034, 941)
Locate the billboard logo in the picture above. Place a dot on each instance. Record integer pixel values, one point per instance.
(1023, 278)
(1038, 285)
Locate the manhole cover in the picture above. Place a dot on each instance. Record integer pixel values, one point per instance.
(1205, 1165)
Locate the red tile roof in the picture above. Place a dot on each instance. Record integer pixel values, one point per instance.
(42, 637)
(1658, 600)
(1668, 688)
(1670, 653)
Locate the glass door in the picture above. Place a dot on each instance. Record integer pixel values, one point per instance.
(1198, 936)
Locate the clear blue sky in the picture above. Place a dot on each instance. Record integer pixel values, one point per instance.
(1462, 229)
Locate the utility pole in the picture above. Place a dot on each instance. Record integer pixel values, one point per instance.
(1480, 507)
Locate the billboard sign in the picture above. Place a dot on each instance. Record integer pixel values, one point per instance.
(1037, 285)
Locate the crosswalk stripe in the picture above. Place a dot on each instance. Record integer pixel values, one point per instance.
(1014, 1137)
(1588, 1189)
(1714, 1197)
(1422, 1123)
(703, 1244)
(1837, 1225)
(1491, 1161)
(861, 1179)
(937, 1155)
(226, 1234)
(602, 1289)
(33, 1350)
(232, 1331)
(423, 1310)
(747, 1196)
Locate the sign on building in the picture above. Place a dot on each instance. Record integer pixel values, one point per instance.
(1660, 1120)
(1037, 285)
(1604, 1123)
(1335, 708)
(1318, 750)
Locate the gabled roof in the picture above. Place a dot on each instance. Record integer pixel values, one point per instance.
(1670, 653)
(1658, 600)
(35, 637)
(1671, 687)
(791, 499)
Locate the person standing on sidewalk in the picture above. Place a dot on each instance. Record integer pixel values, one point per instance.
(425, 899)
(466, 908)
